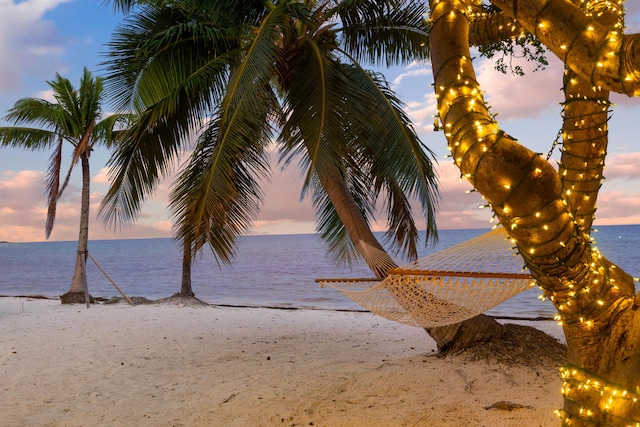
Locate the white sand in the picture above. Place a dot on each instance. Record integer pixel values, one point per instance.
(117, 365)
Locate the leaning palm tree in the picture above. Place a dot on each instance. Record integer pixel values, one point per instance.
(248, 74)
(73, 117)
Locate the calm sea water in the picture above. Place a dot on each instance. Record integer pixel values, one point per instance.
(268, 271)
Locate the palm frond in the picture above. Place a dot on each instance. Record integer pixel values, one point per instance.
(328, 222)
(70, 117)
(314, 125)
(384, 32)
(110, 127)
(52, 185)
(159, 48)
(30, 111)
(91, 96)
(217, 196)
(175, 95)
(29, 138)
(124, 6)
(258, 66)
(401, 164)
(136, 167)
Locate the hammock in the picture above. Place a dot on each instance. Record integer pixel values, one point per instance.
(445, 287)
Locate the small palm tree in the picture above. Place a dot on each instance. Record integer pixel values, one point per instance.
(243, 70)
(73, 117)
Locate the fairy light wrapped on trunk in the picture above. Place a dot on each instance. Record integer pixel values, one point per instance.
(549, 214)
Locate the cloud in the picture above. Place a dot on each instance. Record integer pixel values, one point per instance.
(282, 199)
(27, 41)
(458, 207)
(102, 177)
(422, 71)
(623, 166)
(618, 208)
(23, 212)
(23, 205)
(21, 188)
(515, 97)
(511, 97)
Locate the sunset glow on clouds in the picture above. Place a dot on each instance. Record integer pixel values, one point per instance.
(37, 40)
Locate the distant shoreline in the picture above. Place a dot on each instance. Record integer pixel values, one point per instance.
(482, 229)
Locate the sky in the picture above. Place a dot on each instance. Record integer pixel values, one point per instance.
(39, 38)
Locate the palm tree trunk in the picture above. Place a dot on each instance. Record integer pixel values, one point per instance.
(354, 221)
(448, 338)
(187, 260)
(76, 293)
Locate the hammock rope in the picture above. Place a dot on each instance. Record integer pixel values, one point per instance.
(446, 287)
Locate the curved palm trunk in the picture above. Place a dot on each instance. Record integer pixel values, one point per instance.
(448, 338)
(79, 288)
(538, 207)
(357, 227)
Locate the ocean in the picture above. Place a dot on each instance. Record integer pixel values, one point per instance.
(272, 271)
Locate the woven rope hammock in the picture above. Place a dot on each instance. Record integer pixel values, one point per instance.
(445, 287)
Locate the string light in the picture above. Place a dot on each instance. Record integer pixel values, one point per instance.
(581, 291)
(592, 395)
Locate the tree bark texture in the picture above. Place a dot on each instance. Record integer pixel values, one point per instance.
(549, 214)
(76, 293)
(187, 262)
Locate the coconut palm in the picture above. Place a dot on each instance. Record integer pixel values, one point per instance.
(250, 75)
(75, 117)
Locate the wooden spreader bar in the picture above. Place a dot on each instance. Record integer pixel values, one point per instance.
(489, 275)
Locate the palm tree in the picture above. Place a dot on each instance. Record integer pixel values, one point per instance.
(73, 117)
(249, 74)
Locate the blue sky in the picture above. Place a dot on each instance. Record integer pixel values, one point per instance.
(39, 38)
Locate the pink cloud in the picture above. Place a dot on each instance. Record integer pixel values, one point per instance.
(23, 206)
(623, 166)
(23, 212)
(459, 208)
(282, 198)
(514, 97)
(617, 208)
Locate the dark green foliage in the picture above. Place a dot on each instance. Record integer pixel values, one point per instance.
(237, 79)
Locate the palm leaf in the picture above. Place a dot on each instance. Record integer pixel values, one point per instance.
(258, 66)
(384, 32)
(29, 138)
(314, 127)
(329, 224)
(217, 197)
(319, 131)
(174, 102)
(52, 185)
(159, 48)
(401, 165)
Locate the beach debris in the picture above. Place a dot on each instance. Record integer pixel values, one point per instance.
(503, 405)
(230, 398)
(467, 386)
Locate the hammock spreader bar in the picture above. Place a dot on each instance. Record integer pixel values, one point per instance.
(439, 273)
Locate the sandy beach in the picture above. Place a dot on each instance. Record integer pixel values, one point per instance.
(172, 365)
